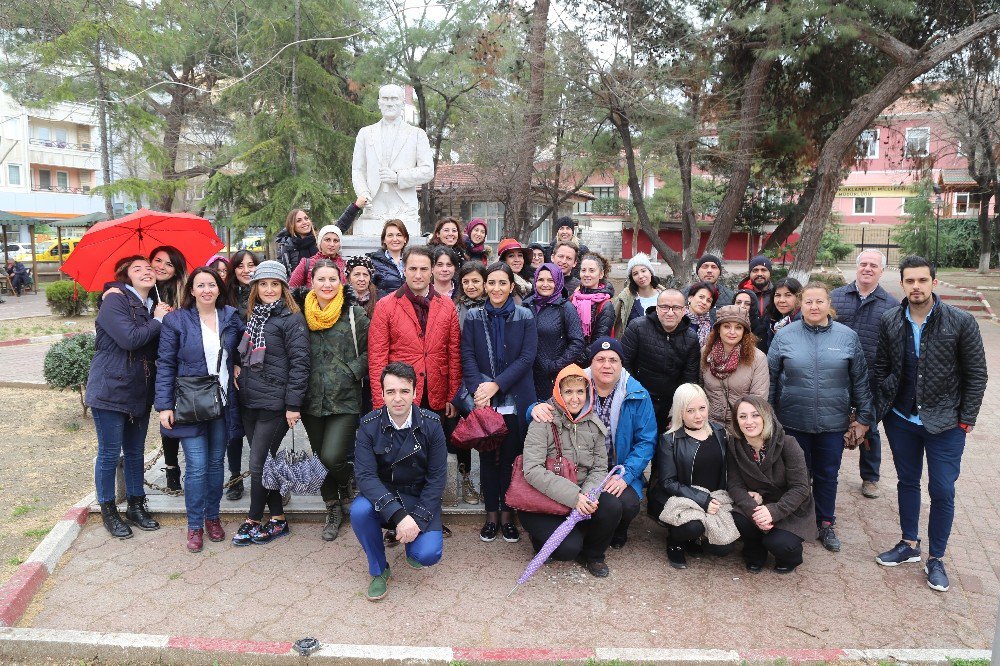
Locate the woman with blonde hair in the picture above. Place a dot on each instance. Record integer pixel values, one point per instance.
(731, 364)
(692, 453)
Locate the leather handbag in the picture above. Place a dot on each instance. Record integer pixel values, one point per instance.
(523, 496)
(199, 399)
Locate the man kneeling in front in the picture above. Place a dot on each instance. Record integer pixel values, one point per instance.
(400, 464)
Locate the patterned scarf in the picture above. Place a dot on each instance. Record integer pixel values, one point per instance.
(703, 322)
(756, 456)
(320, 319)
(720, 364)
(784, 321)
(252, 345)
(604, 413)
(585, 302)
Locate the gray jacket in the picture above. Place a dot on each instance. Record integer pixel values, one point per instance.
(818, 373)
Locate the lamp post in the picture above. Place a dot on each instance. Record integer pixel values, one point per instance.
(937, 223)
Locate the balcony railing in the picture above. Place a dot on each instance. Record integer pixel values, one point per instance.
(50, 143)
(63, 190)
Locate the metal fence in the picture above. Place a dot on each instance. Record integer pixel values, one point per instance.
(872, 237)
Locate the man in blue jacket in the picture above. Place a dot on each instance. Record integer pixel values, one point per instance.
(626, 409)
(400, 462)
(860, 306)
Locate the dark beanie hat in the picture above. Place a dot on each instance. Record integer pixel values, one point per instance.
(761, 260)
(606, 343)
(707, 258)
(565, 221)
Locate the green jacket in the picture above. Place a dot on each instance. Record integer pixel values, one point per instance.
(337, 370)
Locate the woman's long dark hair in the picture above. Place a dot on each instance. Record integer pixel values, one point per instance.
(792, 285)
(232, 284)
(171, 291)
(189, 302)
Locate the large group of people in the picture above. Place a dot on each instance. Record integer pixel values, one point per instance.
(727, 410)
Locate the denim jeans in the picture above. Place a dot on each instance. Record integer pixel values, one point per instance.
(204, 473)
(367, 524)
(869, 462)
(824, 452)
(119, 435)
(909, 442)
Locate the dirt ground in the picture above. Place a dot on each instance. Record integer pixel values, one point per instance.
(35, 326)
(46, 465)
(973, 280)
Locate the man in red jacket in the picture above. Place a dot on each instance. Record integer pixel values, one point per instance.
(417, 326)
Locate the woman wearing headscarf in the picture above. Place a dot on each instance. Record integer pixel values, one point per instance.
(560, 333)
(499, 343)
(475, 240)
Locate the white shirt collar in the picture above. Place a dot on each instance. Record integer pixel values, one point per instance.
(408, 423)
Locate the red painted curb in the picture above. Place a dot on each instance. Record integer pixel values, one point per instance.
(15, 342)
(226, 645)
(793, 656)
(17, 593)
(521, 654)
(77, 514)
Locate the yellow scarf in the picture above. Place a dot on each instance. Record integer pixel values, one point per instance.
(320, 319)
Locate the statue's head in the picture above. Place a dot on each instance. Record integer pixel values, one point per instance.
(390, 101)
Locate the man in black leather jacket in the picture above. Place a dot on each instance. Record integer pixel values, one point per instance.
(930, 370)
(400, 463)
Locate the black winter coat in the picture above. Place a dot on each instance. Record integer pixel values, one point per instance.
(387, 278)
(602, 320)
(863, 317)
(560, 341)
(280, 382)
(293, 249)
(401, 478)
(951, 370)
(661, 361)
(675, 466)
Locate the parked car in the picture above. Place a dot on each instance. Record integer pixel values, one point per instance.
(51, 253)
(19, 251)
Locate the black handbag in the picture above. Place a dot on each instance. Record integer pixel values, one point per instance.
(199, 399)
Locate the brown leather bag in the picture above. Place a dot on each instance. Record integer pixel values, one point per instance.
(523, 496)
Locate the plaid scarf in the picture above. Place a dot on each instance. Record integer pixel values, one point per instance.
(604, 413)
(252, 345)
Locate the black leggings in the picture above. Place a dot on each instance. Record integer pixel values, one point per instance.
(630, 509)
(589, 538)
(680, 534)
(332, 439)
(171, 447)
(265, 429)
(785, 546)
(495, 466)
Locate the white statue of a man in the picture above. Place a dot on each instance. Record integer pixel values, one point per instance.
(391, 160)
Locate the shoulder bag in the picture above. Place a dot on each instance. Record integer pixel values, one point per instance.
(199, 399)
(523, 496)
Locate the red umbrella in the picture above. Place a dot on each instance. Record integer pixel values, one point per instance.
(92, 263)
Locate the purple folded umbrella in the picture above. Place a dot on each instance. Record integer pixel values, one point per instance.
(563, 531)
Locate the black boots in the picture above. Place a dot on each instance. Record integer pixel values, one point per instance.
(235, 491)
(137, 513)
(113, 521)
(173, 478)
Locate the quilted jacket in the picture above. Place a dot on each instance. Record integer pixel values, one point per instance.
(661, 361)
(280, 382)
(560, 341)
(818, 373)
(951, 371)
(862, 317)
(394, 335)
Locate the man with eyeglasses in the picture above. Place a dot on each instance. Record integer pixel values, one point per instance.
(662, 352)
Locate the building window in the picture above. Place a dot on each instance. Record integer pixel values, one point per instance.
(962, 204)
(599, 192)
(13, 174)
(492, 212)
(62, 181)
(61, 137)
(864, 205)
(44, 179)
(918, 142)
(43, 134)
(868, 145)
(85, 181)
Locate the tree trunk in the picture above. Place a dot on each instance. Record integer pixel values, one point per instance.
(690, 236)
(673, 259)
(985, 231)
(517, 220)
(748, 130)
(794, 217)
(102, 125)
(293, 150)
(841, 143)
(171, 140)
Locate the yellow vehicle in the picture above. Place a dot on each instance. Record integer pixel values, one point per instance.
(51, 253)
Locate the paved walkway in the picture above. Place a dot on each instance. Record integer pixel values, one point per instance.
(301, 586)
(28, 305)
